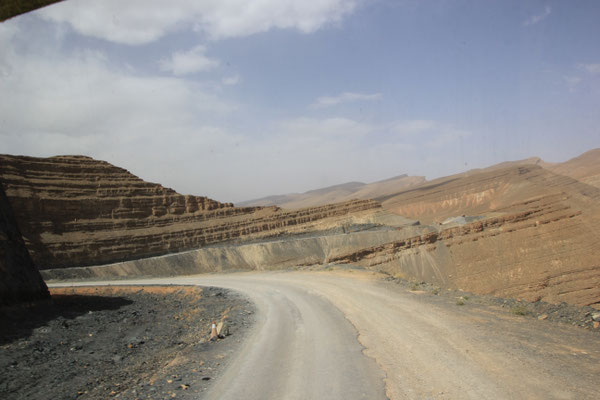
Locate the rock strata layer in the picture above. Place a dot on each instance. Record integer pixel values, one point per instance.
(535, 236)
(74, 211)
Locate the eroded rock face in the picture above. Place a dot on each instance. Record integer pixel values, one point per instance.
(537, 239)
(75, 211)
(20, 281)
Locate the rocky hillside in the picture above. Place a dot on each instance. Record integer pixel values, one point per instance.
(521, 231)
(585, 168)
(74, 211)
(20, 280)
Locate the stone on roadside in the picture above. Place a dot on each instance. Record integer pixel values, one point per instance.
(543, 317)
(596, 316)
(213, 332)
(222, 329)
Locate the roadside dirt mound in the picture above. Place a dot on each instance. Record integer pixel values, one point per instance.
(285, 253)
(128, 342)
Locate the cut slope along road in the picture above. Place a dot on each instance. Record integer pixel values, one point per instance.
(350, 335)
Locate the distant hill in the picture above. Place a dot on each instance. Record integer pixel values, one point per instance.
(337, 193)
(584, 168)
(311, 196)
(491, 189)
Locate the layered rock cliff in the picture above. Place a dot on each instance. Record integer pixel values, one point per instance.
(20, 281)
(74, 211)
(537, 238)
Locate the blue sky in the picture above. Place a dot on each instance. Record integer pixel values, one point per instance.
(236, 100)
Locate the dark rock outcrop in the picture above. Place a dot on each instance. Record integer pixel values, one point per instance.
(12, 8)
(20, 281)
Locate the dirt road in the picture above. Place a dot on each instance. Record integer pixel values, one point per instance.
(304, 344)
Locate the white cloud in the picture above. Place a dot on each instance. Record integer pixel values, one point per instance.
(188, 62)
(538, 17)
(592, 69)
(82, 104)
(231, 80)
(87, 94)
(175, 131)
(347, 97)
(136, 22)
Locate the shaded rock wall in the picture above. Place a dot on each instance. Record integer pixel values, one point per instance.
(20, 280)
(75, 211)
(274, 255)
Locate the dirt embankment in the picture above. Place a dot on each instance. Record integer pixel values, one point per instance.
(119, 342)
(286, 253)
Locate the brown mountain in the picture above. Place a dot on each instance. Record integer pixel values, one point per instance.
(518, 231)
(585, 168)
(74, 210)
(337, 193)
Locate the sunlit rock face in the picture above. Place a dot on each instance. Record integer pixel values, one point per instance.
(75, 211)
(527, 232)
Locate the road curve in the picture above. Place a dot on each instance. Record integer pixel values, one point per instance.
(304, 344)
(301, 347)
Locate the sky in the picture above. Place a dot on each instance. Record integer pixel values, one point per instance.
(237, 99)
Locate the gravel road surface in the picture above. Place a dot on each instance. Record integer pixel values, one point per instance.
(351, 335)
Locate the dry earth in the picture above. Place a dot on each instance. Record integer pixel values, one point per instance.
(125, 342)
(425, 346)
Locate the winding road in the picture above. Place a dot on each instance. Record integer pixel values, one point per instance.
(351, 335)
